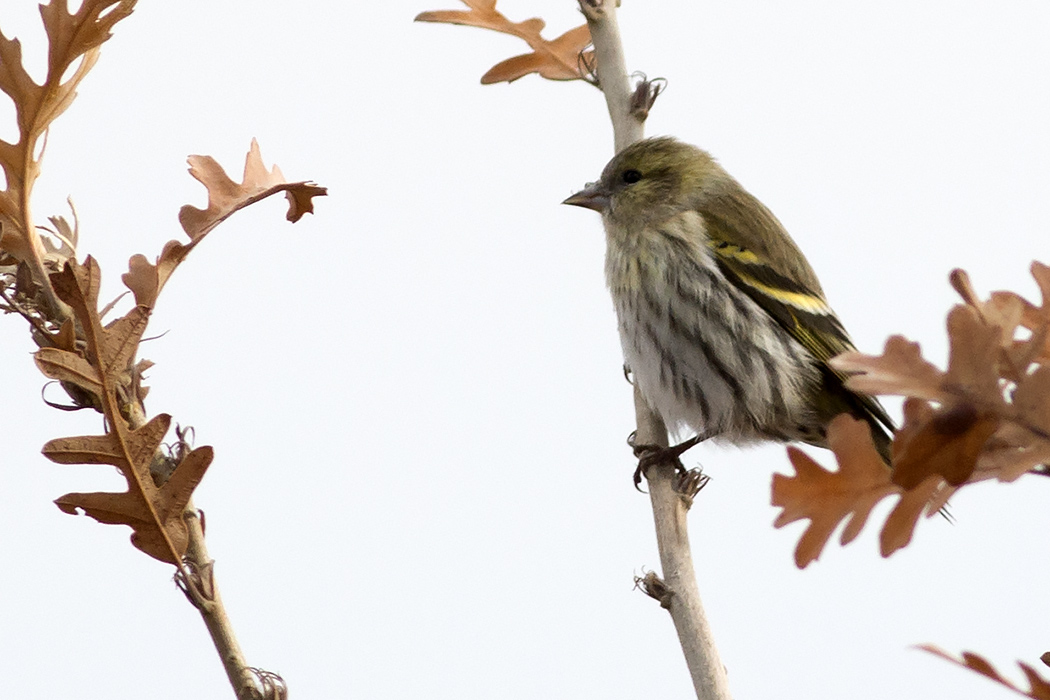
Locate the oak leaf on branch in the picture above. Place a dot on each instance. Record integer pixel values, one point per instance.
(1038, 687)
(107, 369)
(146, 279)
(986, 417)
(153, 513)
(72, 38)
(563, 58)
(950, 415)
(827, 498)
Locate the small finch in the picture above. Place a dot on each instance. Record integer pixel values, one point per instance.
(722, 320)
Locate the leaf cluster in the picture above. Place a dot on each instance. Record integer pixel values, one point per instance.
(986, 417)
(96, 361)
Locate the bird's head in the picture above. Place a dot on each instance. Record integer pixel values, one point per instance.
(650, 181)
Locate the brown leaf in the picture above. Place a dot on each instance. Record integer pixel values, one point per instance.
(145, 280)
(482, 13)
(67, 237)
(945, 441)
(68, 366)
(71, 38)
(1023, 353)
(132, 451)
(987, 417)
(565, 64)
(1037, 318)
(972, 361)
(155, 515)
(115, 344)
(66, 338)
(121, 508)
(1041, 274)
(559, 59)
(142, 506)
(1009, 310)
(78, 285)
(826, 498)
(85, 449)
(1005, 310)
(1022, 444)
(1030, 400)
(226, 196)
(1011, 461)
(177, 490)
(900, 369)
(1038, 687)
(960, 282)
(107, 367)
(127, 509)
(901, 522)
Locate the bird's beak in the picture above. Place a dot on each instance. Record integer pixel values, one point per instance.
(591, 197)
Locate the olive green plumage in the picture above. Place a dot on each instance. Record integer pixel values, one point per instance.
(722, 319)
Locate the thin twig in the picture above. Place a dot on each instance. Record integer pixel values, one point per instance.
(196, 578)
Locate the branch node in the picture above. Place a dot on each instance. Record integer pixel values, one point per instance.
(197, 582)
(689, 483)
(259, 684)
(655, 587)
(196, 577)
(645, 93)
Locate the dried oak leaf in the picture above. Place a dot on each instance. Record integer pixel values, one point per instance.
(987, 416)
(1038, 687)
(900, 370)
(154, 514)
(1037, 320)
(105, 369)
(560, 59)
(949, 439)
(946, 441)
(226, 196)
(146, 279)
(827, 498)
(974, 349)
(71, 38)
(1036, 316)
(1008, 311)
(1023, 443)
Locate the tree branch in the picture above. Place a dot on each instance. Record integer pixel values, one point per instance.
(195, 576)
(197, 581)
(613, 79)
(681, 596)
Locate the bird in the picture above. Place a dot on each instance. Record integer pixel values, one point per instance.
(723, 322)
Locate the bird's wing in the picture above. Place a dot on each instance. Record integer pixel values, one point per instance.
(801, 311)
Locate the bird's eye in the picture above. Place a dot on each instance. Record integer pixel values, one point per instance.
(631, 176)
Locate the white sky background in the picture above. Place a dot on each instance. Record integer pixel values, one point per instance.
(421, 486)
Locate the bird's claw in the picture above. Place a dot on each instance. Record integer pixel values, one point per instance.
(651, 455)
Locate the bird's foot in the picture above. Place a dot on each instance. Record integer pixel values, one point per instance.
(651, 455)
